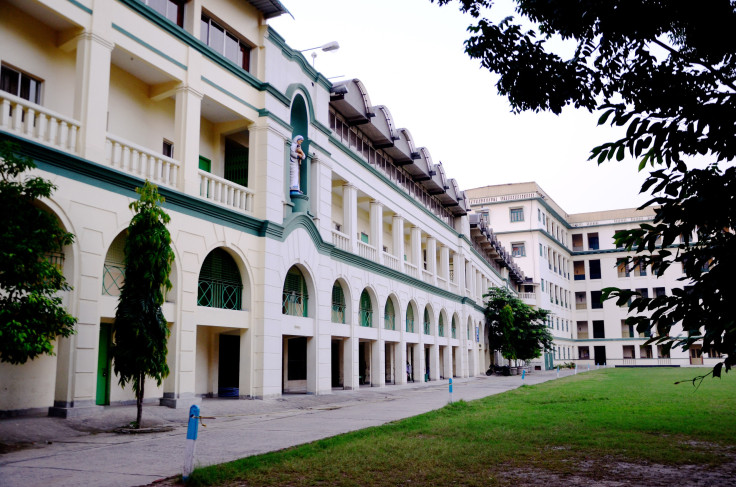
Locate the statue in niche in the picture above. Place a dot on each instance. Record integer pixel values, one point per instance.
(295, 160)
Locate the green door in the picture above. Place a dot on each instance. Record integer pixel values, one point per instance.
(104, 365)
(236, 163)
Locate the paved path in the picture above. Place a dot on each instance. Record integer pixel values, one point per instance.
(72, 452)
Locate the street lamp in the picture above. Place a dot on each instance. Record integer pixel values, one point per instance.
(330, 46)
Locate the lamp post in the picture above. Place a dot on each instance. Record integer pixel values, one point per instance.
(330, 46)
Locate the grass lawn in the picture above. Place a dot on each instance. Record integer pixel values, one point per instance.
(606, 428)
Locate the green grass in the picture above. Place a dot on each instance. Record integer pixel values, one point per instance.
(616, 415)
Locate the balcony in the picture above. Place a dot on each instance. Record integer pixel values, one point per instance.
(367, 251)
(441, 282)
(139, 161)
(411, 270)
(391, 261)
(427, 276)
(226, 193)
(528, 296)
(39, 124)
(340, 240)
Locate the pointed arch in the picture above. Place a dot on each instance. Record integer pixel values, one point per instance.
(220, 284)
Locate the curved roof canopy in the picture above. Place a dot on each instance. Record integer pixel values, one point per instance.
(350, 99)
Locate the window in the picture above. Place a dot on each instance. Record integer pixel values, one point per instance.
(295, 297)
(171, 9)
(659, 291)
(593, 241)
(663, 351)
(628, 352)
(219, 283)
(338, 304)
(579, 270)
(584, 353)
(595, 269)
(168, 148)
(577, 242)
(640, 269)
(623, 270)
(541, 254)
(595, 300)
(644, 292)
(542, 285)
(518, 250)
(539, 214)
(364, 238)
(645, 351)
(225, 42)
(627, 330)
(389, 317)
(366, 309)
(516, 214)
(20, 84)
(599, 329)
(580, 301)
(410, 319)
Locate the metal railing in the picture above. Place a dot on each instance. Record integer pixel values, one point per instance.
(224, 192)
(140, 161)
(410, 325)
(338, 313)
(389, 322)
(38, 123)
(219, 294)
(294, 304)
(441, 330)
(426, 328)
(113, 277)
(366, 317)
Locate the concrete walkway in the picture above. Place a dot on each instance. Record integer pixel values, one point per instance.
(83, 451)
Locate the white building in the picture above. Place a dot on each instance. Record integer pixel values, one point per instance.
(568, 259)
(374, 267)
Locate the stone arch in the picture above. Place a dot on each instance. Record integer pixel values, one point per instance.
(428, 320)
(412, 317)
(442, 324)
(341, 309)
(453, 326)
(367, 305)
(220, 282)
(113, 270)
(295, 295)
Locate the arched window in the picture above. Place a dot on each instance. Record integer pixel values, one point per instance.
(389, 317)
(338, 304)
(442, 326)
(113, 274)
(410, 319)
(366, 309)
(426, 321)
(453, 330)
(295, 298)
(219, 282)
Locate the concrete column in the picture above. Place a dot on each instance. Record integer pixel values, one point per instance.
(434, 360)
(186, 138)
(444, 270)
(350, 216)
(350, 363)
(416, 249)
(458, 267)
(397, 230)
(246, 354)
(91, 94)
(376, 216)
(432, 259)
(378, 363)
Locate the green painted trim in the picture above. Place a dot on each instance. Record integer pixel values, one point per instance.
(589, 340)
(226, 92)
(148, 46)
(93, 174)
(300, 88)
(298, 58)
(269, 114)
(80, 6)
(540, 200)
(322, 149)
(188, 39)
(542, 231)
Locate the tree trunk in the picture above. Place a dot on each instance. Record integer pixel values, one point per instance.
(139, 400)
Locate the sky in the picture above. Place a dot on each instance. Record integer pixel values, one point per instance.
(409, 54)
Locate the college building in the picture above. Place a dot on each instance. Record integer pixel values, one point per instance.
(568, 259)
(370, 274)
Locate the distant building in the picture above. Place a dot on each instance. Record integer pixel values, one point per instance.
(371, 268)
(567, 260)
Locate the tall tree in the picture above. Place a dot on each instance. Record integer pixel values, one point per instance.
(665, 70)
(140, 331)
(514, 328)
(32, 242)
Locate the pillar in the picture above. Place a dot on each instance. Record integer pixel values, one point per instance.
(350, 215)
(376, 217)
(397, 230)
(186, 138)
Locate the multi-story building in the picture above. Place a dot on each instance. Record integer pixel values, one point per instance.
(370, 270)
(568, 259)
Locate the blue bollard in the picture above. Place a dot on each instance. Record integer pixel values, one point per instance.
(450, 390)
(523, 375)
(192, 430)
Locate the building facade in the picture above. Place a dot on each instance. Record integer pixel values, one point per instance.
(370, 269)
(567, 260)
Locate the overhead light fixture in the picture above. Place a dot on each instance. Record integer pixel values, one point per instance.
(330, 46)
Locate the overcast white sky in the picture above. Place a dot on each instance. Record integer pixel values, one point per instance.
(410, 56)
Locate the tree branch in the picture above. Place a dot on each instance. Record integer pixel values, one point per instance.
(707, 66)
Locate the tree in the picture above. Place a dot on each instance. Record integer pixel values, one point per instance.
(140, 331)
(515, 329)
(32, 315)
(666, 71)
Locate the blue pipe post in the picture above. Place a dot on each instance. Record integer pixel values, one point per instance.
(192, 430)
(450, 390)
(523, 375)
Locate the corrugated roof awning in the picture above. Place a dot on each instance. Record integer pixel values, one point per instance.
(270, 8)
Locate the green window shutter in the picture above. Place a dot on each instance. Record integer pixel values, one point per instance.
(236, 163)
(338, 304)
(205, 164)
(219, 282)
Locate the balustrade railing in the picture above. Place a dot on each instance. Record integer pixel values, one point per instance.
(38, 123)
(367, 251)
(390, 261)
(411, 270)
(531, 296)
(224, 192)
(294, 304)
(427, 276)
(340, 240)
(140, 161)
(442, 282)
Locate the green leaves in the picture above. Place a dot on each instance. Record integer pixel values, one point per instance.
(32, 242)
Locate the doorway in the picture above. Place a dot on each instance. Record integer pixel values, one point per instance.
(228, 372)
(600, 355)
(337, 354)
(696, 355)
(104, 365)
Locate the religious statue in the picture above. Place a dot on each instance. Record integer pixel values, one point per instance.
(295, 160)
